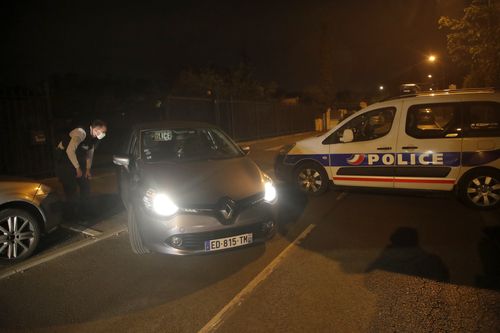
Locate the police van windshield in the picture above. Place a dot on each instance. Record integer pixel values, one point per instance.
(176, 145)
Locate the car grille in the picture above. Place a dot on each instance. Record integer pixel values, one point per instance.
(196, 241)
(215, 210)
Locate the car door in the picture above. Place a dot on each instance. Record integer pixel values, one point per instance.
(368, 160)
(429, 146)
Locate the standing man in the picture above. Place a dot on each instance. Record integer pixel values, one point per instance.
(74, 161)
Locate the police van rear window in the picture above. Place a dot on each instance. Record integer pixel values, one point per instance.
(482, 119)
(434, 121)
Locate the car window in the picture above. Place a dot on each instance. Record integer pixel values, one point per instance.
(482, 119)
(368, 126)
(434, 121)
(176, 145)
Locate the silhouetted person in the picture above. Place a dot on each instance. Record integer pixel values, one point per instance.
(404, 255)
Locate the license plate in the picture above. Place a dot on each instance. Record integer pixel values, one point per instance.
(228, 242)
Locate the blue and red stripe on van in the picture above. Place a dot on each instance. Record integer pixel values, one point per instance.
(451, 159)
(398, 167)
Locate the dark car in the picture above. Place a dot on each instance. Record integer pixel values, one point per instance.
(189, 188)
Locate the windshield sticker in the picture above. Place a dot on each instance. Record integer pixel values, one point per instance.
(161, 136)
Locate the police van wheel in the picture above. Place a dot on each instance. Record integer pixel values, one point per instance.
(481, 189)
(134, 233)
(311, 179)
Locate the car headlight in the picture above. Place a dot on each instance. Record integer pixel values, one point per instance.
(286, 149)
(270, 193)
(159, 203)
(43, 191)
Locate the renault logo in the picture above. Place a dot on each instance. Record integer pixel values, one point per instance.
(227, 209)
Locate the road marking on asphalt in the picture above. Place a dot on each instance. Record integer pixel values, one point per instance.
(219, 318)
(341, 196)
(274, 148)
(82, 229)
(30, 263)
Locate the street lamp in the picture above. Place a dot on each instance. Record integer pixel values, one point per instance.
(442, 71)
(381, 88)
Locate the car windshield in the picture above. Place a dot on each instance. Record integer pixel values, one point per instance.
(176, 145)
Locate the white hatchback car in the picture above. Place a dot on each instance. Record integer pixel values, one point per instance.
(429, 141)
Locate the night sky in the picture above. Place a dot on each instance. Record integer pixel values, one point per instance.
(372, 42)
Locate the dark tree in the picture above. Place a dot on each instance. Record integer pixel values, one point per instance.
(474, 42)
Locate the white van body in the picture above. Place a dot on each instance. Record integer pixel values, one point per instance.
(427, 142)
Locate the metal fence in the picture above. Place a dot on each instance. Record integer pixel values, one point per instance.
(25, 132)
(244, 120)
(29, 129)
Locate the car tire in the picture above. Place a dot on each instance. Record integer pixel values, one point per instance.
(480, 189)
(121, 191)
(311, 178)
(19, 231)
(134, 233)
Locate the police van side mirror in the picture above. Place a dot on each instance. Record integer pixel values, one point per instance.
(121, 160)
(347, 136)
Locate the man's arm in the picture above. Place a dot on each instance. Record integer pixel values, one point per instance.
(90, 157)
(77, 136)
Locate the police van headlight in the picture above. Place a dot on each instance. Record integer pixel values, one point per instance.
(159, 203)
(270, 193)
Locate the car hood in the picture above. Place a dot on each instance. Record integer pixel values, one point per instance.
(204, 182)
(16, 188)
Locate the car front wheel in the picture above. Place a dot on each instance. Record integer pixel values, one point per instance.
(19, 234)
(481, 189)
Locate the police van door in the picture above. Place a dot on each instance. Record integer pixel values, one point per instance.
(362, 151)
(429, 146)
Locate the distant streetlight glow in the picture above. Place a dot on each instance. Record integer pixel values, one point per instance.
(432, 58)
(381, 88)
(429, 76)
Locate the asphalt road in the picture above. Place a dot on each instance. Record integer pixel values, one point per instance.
(348, 261)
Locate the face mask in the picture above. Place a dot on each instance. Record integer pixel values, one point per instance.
(101, 135)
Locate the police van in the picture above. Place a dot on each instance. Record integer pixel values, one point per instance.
(447, 140)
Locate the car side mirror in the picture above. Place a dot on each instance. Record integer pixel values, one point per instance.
(347, 136)
(121, 160)
(246, 149)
